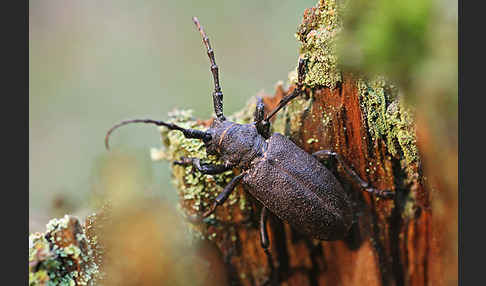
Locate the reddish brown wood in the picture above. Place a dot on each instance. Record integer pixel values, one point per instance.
(391, 246)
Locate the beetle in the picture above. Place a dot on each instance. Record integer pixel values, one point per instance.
(289, 182)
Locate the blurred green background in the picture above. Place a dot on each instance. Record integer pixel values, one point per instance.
(94, 63)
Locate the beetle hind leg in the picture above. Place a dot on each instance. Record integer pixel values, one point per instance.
(324, 154)
(265, 243)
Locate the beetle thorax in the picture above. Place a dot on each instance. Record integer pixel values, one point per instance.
(235, 144)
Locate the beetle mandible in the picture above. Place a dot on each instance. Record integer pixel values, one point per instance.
(289, 182)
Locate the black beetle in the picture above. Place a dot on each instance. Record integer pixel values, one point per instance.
(289, 182)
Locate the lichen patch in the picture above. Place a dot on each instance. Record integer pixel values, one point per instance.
(318, 35)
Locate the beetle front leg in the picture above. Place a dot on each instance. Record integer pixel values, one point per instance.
(208, 169)
(324, 154)
(221, 198)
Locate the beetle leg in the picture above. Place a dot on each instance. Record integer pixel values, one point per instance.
(262, 126)
(204, 168)
(265, 242)
(323, 154)
(221, 198)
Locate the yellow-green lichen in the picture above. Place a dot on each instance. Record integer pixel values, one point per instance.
(326, 119)
(195, 189)
(410, 207)
(56, 256)
(388, 118)
(318, 36)
(312, 140)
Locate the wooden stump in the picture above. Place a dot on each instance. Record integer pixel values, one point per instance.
(390, 242)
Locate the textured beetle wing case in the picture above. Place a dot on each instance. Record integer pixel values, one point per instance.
(300, 190)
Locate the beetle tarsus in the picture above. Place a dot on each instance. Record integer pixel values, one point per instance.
(385, 194)
(204, 168)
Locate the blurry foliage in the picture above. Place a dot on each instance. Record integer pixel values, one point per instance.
(388, 37)
(147, 244)
(140, 242)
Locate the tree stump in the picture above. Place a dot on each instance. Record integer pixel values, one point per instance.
(389, 242)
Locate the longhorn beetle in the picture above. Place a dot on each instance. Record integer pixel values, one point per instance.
(289, 182)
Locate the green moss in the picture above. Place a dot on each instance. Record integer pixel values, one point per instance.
(318, 36)
(388, 118)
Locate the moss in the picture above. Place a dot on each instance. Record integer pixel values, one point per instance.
(388, 118)
(195, 189)
(318, 34)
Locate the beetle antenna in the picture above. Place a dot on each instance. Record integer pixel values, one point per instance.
(297, 90)
(188, 133)
(217, 94)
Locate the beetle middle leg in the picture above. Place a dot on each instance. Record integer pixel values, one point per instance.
(324, 154)
(208, 169)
